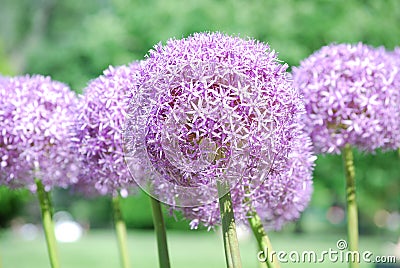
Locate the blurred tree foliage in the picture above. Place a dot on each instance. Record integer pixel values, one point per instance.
(378, 184)
(74, 41)
(11, 204)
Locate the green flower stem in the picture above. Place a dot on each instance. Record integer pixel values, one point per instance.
(48, 226)
(231, 244)
(120, 229)
(159, 227)
(352, 217)
(264, 244)
(262, 265)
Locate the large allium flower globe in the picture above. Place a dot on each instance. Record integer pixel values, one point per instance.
(98, 131)
(279, 199)
(352, 97)
(396, 57)
(35, 117)
(210, 110)
(3, 79)
(397, 52)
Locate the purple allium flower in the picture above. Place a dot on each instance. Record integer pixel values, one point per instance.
(279, 199)
(3, 79)
(98, 133)
(209, 108)
(352, 97)
(396, 51)
(396, 57)
(35, 116)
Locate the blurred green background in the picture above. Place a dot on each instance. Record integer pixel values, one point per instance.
(74, 41)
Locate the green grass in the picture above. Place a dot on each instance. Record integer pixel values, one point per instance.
(187, 250)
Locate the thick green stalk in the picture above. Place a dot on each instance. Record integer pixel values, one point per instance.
(120, 229)
(48, 226)
(262, 264)
(231, 244)
(352, 217)
(159, 227)
(264, 244)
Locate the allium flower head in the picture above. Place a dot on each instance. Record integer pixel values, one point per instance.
(35, 116)
(278, 200)
(3, 80)
(396, 57)
(98, 131)
(352, 97)
(397, 51)
(209, 108)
